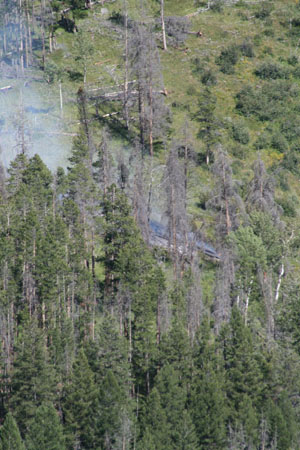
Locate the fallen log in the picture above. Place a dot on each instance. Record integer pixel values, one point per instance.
(5, 88)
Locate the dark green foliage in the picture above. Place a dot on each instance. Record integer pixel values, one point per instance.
(113, 414)
(10, 438)
(33, 380)
(208, 401)
(245, 378)
(264, 10)
(269, 70)
(267, 102)
(79, 404)
(103, 344)
(281, 420)
(240, 133)
(262, 141)
(288, 206)
(45, 431)
(246, 49)
(228, 59)
(155, 424)
(279, 142)
(209, 78)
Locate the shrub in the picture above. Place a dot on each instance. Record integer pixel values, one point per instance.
(287, 204)
(264, 11)
(197, 66)
(239, 151)
(209, 78)
(279, 142)
(240, 134)
(296, 72)
(292, 60)
(266, 102)
(271, 70)
(228, 58)
(291, 162)
(290, 127)
(217, 6)
(246, 49)
(262, 141)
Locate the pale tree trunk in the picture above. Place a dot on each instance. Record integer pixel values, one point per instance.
(21, 44)
(61, 100)
(126, 66)
(163, 28)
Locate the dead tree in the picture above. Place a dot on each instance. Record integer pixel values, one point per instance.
(145, 68)
(176, 206)
(225, 200)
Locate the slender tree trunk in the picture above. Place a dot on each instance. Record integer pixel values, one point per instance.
(126, 66)
(163, 24)
(61, 100)
(150, 117)
(43, 35)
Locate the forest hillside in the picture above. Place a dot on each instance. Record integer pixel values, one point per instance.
(149, 210)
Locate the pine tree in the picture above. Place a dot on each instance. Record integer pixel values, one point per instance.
(33, 379)
(154, 422)
(173, 398)
(208, 401)
(45, 431)
(79, 404)
(111, 404)
(244, 376)
(10, 437)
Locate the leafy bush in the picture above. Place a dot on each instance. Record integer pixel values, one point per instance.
(246, 49)
(271, 70)
(290, 127)
(209, 78)
(262, 141)
(266, 102)
(197, 66)
(292, 60)
(287, 204)
(228, 58)
(270, 33)
(279, 142)
(217, 5)
(296, 72)
(291, 162)
(240, 133)
(239, 151)
(264, 11)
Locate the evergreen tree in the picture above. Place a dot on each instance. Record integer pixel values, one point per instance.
(10, 437)
(173, 398)
(33, 379)
(111, 405)
(79, 404)
(45, 431)
(208, 401)
(245, 377)
(155, 423)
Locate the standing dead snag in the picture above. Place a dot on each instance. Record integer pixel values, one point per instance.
(226, 200)
(144, 66)
(176, 204)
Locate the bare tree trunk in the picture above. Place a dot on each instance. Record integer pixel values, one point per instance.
(61, 100)
(126, 66)
(142, 118)
(21, 44)
(281, 273)
(151, 117)
(43, 35)
(163, 24)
